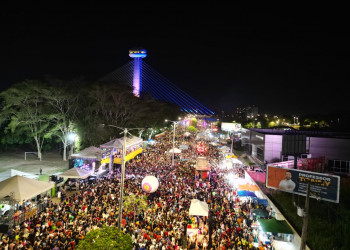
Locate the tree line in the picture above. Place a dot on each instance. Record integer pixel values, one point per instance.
(44, 112)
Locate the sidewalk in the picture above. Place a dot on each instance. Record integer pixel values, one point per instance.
(282, 245)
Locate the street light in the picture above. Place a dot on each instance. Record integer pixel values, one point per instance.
(233, 138)
(120, 214)
(72, 137)
(174, 124)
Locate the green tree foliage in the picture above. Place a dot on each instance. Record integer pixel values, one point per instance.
(106, 238)
(26, 112)
(191, 129)
(33, 111)
(136, 203)
(64, 102)
(108, 104)
(249, 125)
(194, 122)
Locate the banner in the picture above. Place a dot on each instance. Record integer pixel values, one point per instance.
(322, 186)
(228, 126)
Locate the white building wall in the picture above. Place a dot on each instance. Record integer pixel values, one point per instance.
(273, 147)
(331, 148)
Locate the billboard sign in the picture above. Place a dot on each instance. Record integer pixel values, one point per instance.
(323, 186)
(230, 127)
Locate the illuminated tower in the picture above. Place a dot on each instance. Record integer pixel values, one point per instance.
(137, 54)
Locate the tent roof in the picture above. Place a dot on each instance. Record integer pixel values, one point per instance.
(13, 172)
(199, 208)
(176, 151)
(245, 193)
(240, 181)
(76, 173)
(275, 226)
(260, 212)
(261, 201)
(248, 187)
(23, 188)
(118, 143)
(90, 152)
(202, 164)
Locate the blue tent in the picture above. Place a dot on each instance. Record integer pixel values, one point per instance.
(246, 193)
(261, 201)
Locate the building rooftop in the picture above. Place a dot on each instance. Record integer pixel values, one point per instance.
(310, 133)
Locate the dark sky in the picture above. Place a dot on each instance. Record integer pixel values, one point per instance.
(285, 59)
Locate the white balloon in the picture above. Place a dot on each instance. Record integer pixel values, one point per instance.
(150, 184)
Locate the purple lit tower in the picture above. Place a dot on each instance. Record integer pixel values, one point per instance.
(137, 54)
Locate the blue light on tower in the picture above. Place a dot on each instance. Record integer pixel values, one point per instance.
(137, 54)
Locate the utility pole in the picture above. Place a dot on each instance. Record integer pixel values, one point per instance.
(174, 124)
(172, 162)
(305, 221)
(233, 138)
(120, 214)
(122, 179)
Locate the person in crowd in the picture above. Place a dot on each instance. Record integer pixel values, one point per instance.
(165, 223)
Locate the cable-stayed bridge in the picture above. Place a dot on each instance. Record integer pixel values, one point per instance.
(154, 84)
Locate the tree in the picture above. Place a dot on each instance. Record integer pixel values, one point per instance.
(65, 105)
(106, 238)
(194, 122)
(109, 104)
(191, 129)
(136, 203)
(26, 111)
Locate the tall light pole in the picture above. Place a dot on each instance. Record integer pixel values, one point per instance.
(173, 156)
(120, 214)
(122, 178)
(72, 138)
(233, 137)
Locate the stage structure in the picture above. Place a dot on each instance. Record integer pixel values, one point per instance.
(112, 151)
(146, 81)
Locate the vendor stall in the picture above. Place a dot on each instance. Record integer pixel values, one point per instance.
(279, 229)
(199, 208)
(199, 211)
(202, 168)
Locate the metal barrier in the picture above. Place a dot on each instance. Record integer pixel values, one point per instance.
(23, 216)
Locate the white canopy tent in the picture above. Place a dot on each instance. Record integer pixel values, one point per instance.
(118, 143)
(75, 173)
(12, 172)
(187, 134)
(224, 149)
(89, 153)
(176, 151)
(23, 188)
(199, 208)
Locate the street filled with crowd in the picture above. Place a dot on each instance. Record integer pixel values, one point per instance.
(165, 223)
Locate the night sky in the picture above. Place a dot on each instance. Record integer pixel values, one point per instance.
(285, 59)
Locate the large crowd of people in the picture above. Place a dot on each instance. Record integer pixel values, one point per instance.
(165, 223)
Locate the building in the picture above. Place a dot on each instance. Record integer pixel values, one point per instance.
(267, 145)
(247, 112)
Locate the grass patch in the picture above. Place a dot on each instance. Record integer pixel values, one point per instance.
(44, 177)
(329, 223)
